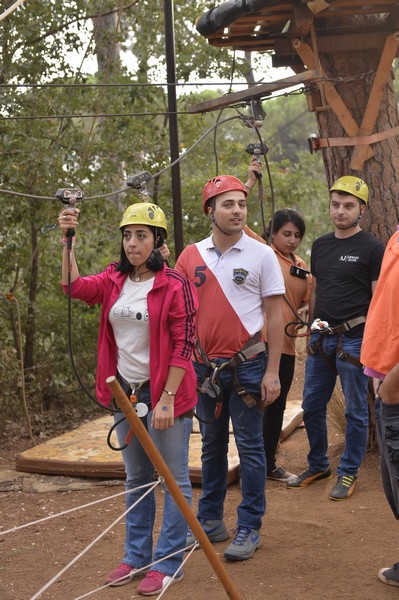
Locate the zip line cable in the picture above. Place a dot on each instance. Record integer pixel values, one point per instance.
(122, 85)
(176, 84)
(126, 189)
(162, 113)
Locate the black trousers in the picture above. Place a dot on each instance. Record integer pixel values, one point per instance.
(274, 413)
(387, 419)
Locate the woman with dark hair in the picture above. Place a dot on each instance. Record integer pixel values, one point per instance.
(286, 230)
(146, 339)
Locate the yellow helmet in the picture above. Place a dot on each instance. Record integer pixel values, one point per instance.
(144, 213)
(352, 185)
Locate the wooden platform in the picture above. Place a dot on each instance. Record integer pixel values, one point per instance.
(84, 452)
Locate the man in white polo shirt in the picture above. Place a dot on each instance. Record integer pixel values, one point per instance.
(237, 280)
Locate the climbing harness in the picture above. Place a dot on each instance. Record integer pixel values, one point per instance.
(132, 391)
(210, 386)
(323, 328)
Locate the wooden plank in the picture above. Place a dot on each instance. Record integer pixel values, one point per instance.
(257, 91)
(337, 104)
(383, 72)
(84, 452)
(351, 42)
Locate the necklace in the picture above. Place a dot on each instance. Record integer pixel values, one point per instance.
(136, 275)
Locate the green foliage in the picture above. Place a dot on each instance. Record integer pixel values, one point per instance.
(41, 155)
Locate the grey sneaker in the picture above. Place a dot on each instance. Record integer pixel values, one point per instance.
(214, 529)
(243, 546)
(306, 478)
(390, 575)
(280, 474)
(344, 487)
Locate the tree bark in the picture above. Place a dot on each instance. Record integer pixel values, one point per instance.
(381, 171)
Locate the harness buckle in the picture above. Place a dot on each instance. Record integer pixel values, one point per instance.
(214, 374)
(319, 325)
(140, 407)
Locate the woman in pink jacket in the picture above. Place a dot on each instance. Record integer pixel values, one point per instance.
(146, 339)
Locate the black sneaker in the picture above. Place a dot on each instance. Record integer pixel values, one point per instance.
(306, 478)
(390, 575)
(280, 474)
(344, 487)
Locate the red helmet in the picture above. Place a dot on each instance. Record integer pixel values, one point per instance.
(220, 184)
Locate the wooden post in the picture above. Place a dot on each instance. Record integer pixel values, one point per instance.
(374, 102)
(163, 470)
(307, 56)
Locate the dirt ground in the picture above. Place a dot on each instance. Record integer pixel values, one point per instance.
(312, 548)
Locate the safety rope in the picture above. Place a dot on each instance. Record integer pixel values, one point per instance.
(149, 488)
(189, 549)
(71, 510)
(93, 542)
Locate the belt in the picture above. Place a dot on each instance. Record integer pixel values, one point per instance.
(347, 325)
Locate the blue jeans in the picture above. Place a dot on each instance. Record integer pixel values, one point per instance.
(387, 420)
(172, 443)
(318, 388)
(247, 428)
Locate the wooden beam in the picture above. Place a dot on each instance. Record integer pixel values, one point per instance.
(334, 99)
(317, 6)
(302, 20)
(318, 143)
(256, 91)
(351, 42)
(383, 72)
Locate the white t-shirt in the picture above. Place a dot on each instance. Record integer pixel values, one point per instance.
(231, 287)
(130, 322)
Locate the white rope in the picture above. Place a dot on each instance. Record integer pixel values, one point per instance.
(103, 587)
(174, 575)
(79, 556)
(10, 9)
(65, 512)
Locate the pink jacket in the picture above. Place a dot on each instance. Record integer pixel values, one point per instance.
(172, 303)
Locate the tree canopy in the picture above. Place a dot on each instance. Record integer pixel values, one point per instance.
(56, 131)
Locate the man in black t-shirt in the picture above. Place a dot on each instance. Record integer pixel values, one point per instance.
(345, 266)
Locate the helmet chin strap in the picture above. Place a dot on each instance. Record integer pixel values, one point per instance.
(356, 223)
(214, 222)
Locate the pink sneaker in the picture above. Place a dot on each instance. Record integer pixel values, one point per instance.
(121, 575)
(154, 582)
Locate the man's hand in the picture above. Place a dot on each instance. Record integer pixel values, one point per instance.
(254, 167)
(270, 388)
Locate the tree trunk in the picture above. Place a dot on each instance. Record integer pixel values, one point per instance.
(381, 171)
(30, 329)
(108, 53)
(108, 48)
